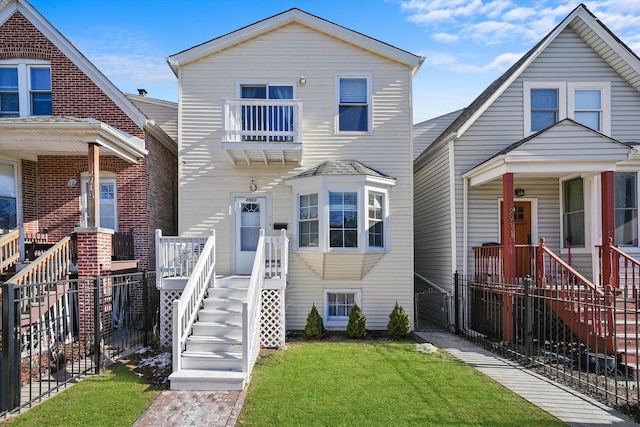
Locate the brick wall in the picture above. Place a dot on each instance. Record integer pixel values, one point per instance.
(147, 191)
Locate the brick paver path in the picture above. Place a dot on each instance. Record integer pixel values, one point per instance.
(193, 408)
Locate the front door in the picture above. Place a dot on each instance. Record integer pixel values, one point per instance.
(249, 219)
(522, 231)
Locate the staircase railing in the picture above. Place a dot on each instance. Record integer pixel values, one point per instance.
(9, 249)
(51, 266)
(579, 295)
(276, 254)
(185, 309)
(176, 256)
(251, 309)
(625, 270)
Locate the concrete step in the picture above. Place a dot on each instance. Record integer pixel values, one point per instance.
(202, 380)
(212, 360)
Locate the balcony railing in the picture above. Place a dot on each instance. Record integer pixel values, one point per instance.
(262, 121)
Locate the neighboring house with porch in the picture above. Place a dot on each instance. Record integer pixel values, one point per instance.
(547, 151)
(76, 155)
(295, 123)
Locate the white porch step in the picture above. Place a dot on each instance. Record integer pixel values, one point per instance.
(212, 360)
(228, 294)
(201, 344)
(201, 380)
(211, 315)
(232, 282)
(223, 305)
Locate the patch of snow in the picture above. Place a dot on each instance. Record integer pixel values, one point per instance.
(161, 361)
(426, 348)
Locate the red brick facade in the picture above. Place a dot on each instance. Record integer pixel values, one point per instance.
(146, 191)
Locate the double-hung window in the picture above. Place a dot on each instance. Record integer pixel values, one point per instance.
(376, 220)
(589, 104)
(544, 108)
(573, 215)
(626, 208)
(343, 219)
(25, 88)
(308, 225)
(354, 104)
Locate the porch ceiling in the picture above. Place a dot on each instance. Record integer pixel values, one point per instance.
(29, 137)
(565, 148)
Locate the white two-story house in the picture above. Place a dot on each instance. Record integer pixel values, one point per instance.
(300, 124)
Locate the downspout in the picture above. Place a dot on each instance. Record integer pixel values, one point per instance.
(465, 214)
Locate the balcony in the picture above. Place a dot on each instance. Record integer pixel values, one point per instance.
(262, 130)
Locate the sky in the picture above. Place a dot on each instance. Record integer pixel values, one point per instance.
(467, 43)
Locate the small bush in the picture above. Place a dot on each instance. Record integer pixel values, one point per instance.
(399, 325)
(314, 327)
(357, 326)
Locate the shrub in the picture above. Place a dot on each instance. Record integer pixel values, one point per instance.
(314, 327)
(399, 325)
(357, 326)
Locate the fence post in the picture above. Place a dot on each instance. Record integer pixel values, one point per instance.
(96, 322)
(528, 316)
(456, 304)
(10, 384)
(145, 309)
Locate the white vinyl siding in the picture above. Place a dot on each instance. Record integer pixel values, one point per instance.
(208, 180)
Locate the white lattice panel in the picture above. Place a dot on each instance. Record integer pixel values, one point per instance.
(272, 326)
(166, 316)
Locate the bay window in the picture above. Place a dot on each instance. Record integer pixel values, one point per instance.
(343, 219)
(308, 225)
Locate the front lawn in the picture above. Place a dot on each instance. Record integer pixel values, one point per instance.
(378, 383)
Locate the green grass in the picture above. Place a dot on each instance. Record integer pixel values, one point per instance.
(116, 397)
(378, 384)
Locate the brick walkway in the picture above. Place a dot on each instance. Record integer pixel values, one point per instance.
(193, 408)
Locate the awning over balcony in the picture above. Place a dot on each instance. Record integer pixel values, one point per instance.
(564, 148)
(30, 137)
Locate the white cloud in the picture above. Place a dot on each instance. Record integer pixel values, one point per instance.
(445, 37)
(451, 63)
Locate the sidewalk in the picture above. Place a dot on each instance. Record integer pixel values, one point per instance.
(562, 402)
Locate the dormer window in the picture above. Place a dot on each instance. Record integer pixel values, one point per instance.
(25, 88)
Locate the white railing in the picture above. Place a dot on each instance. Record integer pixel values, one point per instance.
(262, 120)
(185, 309)
(276, 254)
(176, 256)
(9, 249)
(251, 309)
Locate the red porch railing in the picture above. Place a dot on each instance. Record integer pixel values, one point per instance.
(489, 265)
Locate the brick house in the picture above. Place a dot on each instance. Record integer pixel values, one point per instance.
(76, 154)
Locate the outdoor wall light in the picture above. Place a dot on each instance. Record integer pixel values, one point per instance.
(302, 81)
(253, 186)
(71, 183)
(519, 192)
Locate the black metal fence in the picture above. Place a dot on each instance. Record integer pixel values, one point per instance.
(588, 340)
(52, 333)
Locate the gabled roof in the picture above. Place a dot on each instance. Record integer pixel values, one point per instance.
(163, 113)
(565, 147)
(285, 18)
(617, 54)
(9, 7)
(424, 133)
(341, 168)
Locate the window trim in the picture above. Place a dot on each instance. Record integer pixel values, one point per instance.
(605, 98)
(24, 80)
(265, 83)
(369, 78)
(561, 87)
(339, 321)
